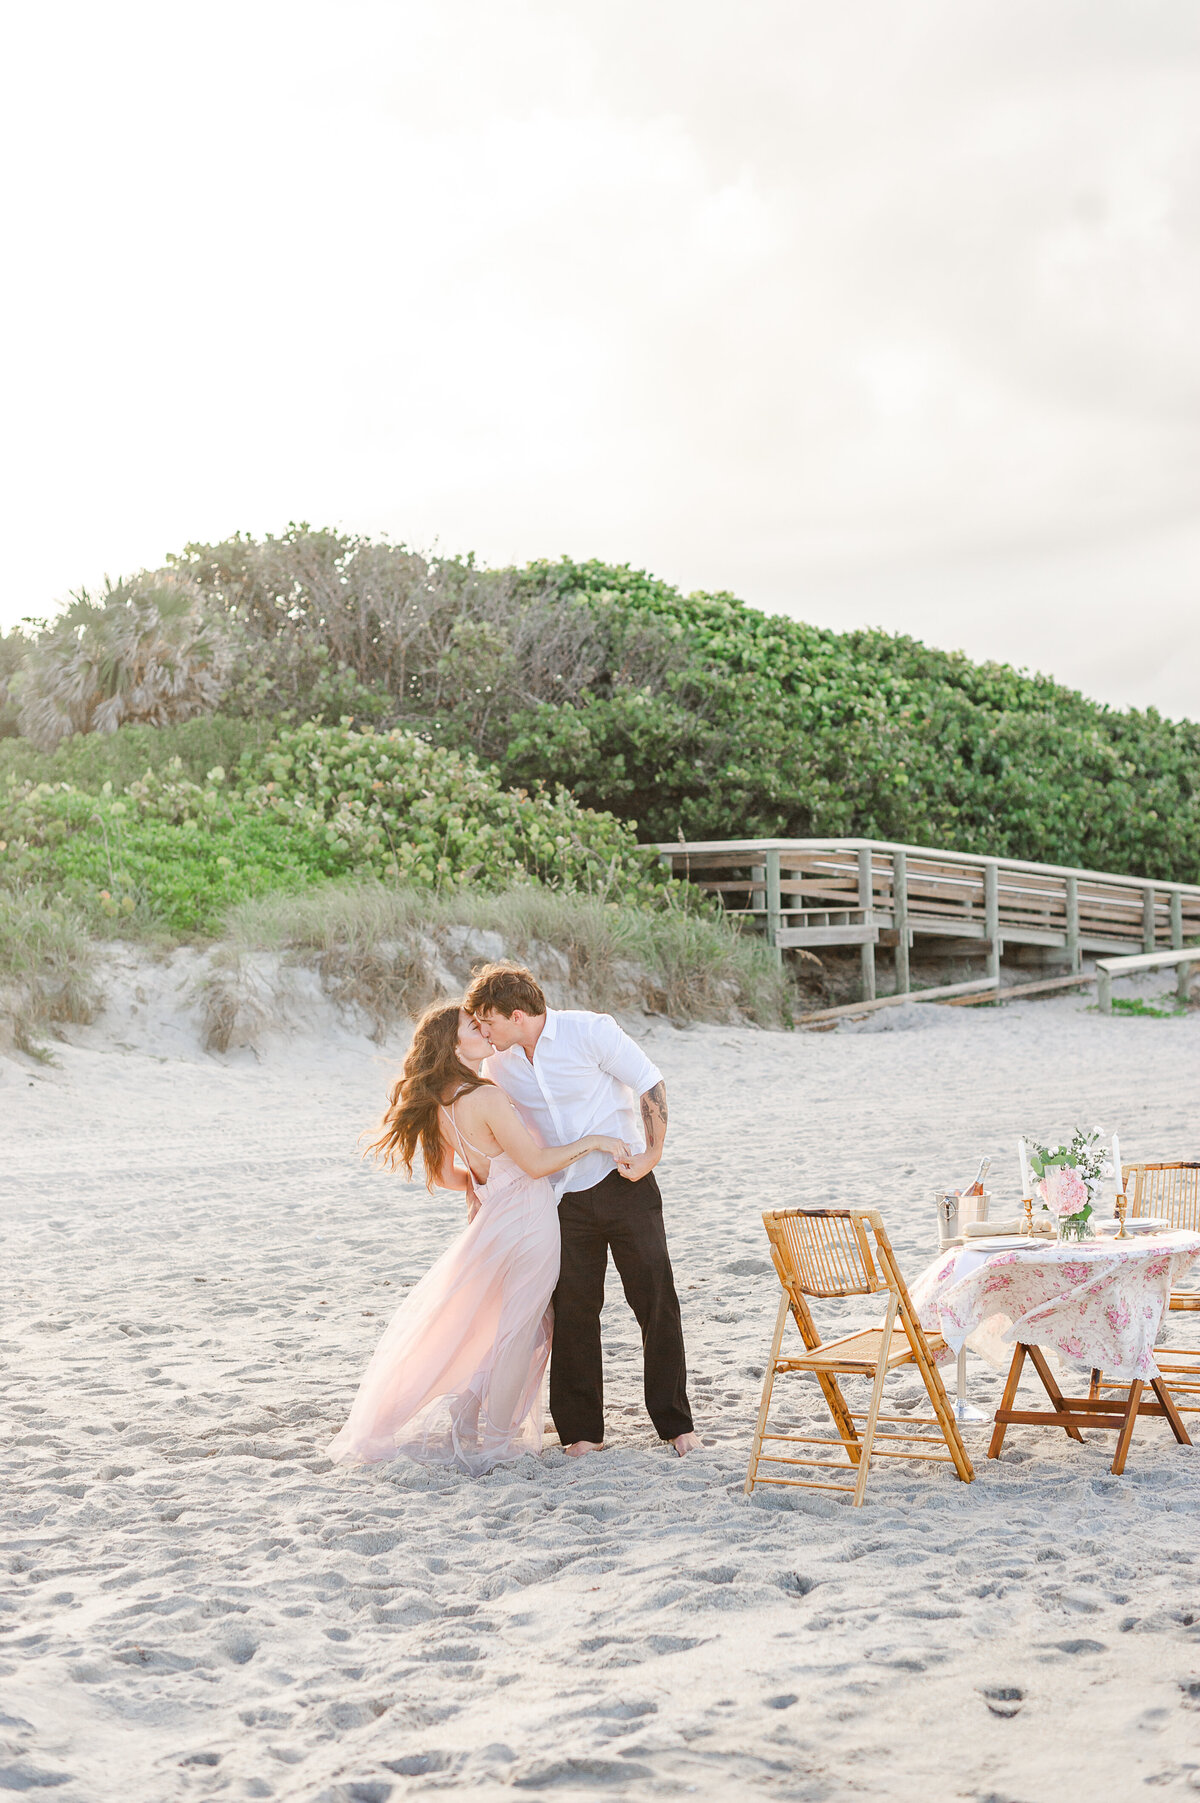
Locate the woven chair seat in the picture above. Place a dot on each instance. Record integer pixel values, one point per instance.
(859, 1352)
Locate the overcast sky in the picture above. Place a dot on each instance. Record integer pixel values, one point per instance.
(875, 313)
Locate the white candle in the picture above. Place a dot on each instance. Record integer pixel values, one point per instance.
(1026, 1192)
(1117, 1165)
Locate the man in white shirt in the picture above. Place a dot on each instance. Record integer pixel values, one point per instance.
(574, 1073)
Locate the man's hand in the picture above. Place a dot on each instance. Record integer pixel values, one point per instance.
(634, 1169)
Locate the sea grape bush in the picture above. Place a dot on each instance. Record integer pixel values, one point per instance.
(416, 812)
(317, 802)
(168, 851)
(769, 726)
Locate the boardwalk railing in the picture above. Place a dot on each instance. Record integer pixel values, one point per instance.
(1108, 968)
(869, 892)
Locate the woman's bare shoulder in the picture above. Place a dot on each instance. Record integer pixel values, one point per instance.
(476, 1104)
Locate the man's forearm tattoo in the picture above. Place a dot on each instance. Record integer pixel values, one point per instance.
(654, 1111)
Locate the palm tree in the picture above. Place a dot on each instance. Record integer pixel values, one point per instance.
(145, 650)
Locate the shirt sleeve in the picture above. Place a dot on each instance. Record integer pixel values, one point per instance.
(617, 1054)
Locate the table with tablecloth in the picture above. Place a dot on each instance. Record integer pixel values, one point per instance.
(1098, 1304)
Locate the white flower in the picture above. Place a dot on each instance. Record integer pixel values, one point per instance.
(1106, 1169)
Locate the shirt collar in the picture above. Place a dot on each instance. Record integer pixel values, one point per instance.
(551, 1026)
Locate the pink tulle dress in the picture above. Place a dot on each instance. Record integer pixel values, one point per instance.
(457, 1377)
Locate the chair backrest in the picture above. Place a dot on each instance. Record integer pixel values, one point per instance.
(1172, 1190)
(825, 1251)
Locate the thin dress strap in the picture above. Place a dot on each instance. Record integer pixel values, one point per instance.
(464, 1143)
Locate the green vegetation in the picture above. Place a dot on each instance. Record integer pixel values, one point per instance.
(263, 722)
(315, 802)
(692, 714)
(1165, 1007)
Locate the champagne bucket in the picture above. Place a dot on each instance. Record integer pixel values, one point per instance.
(954, 1212)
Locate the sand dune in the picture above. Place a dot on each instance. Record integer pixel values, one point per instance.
(197, 1603)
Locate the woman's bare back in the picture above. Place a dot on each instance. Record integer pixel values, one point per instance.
(469, 1130)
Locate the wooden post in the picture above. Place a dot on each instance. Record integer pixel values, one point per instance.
(865, 902)
(1148, 944)
(1183, 972)
(1104, 989)
(991, 915)
(774, 901)
(1073, 952)
(900, 919)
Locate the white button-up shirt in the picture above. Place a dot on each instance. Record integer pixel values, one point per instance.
(585, 1077)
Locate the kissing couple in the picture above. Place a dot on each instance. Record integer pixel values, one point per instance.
(552, 1122)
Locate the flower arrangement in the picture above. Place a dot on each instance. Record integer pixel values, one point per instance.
(1069, 1179)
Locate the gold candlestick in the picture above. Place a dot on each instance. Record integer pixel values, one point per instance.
(1122, 1209)
(1027, 1205)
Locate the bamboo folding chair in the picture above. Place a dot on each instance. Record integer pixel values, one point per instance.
(1171, 1190)
(827, 1252)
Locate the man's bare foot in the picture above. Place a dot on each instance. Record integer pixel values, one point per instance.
(580, 1448)
(685, 1443)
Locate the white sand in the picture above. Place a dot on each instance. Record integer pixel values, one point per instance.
(198, 1604)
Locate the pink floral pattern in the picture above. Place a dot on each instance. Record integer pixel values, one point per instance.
(1101, 1305)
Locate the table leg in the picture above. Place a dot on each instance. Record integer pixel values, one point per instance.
(1127, 1427)
(1006, 1401)
(1170, 1411)
(1051, 1388)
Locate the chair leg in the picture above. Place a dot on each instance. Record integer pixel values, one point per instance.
(868, 1438)
(935, 1389)
(1007, 1400)
(839, 1408)
(835, 1402)
(1170, 1411)
(764, 1406)
(1127, 1427)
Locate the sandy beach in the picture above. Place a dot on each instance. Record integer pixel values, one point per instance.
(196, 1603)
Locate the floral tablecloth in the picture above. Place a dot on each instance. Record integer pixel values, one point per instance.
(1100, 1303)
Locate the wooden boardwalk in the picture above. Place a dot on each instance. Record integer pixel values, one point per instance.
(869, 892)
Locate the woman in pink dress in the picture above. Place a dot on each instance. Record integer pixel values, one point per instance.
(457, 1377)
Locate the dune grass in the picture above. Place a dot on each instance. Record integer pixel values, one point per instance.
(47, 963)
(383, 948)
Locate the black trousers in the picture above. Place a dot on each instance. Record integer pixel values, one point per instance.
(626, 1219)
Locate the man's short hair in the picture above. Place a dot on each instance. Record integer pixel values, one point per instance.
(502, 989)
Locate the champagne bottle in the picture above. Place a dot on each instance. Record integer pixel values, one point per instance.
(976, 1189)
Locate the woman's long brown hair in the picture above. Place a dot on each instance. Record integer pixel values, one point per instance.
(433, 1073)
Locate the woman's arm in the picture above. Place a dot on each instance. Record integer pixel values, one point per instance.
(451, 1175)
(513, 1136)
